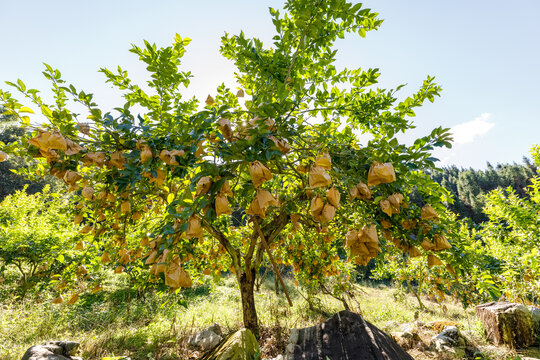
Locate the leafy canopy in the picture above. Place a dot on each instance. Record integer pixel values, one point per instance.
(227, 183)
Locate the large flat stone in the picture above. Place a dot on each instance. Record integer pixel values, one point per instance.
(345, 336)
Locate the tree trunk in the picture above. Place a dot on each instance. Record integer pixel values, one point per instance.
(246, 282)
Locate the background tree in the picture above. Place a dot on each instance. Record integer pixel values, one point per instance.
(36, 236)
(10, 180)
(469, 186)
(279, 177)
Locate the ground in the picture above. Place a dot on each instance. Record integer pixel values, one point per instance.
(117, 322)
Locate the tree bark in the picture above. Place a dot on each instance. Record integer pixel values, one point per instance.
(246, 282)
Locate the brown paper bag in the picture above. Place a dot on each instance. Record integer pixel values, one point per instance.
(226, 189)
(222, 205)
(259, 173)
(433, 260)
(333, 196)
(73, 299)
(428, 213)
(386, 207)
(324, 161)
(72, 147)
(318, 177)
(195, 229)
(409, 224)
(364, 192)
(368, 234)
(167, 157)
(295, 218)
(71, 177)
(317, 205)
(117, 160)
(441, 243)
(203, 186)
(105, 258)
(328, 213)
(427, 245)
(255, 209)
(386, 224)
(56, 141)
(226, 128)
(380, 173)
(88, 193)
(151, 258)
(266, 199)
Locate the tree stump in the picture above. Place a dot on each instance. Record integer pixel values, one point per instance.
(507, 323)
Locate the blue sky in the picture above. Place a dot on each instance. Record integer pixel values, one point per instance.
(484, 53)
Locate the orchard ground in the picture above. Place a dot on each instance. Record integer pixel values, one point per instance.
(118, 322)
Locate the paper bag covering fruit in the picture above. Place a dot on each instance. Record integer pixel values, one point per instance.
(94, 158)
(71, 177)
(226, 189)
(117, 160)
(324, 161)
(363, 244)
(200, 149)
(105, 258)
(428, 213)
(360, 191)
(159, 179)
(203, 186)
(433, 260)
(222, 205)
(72, 147)
(262, 200)
(333, 196)
(176, 276)
(380, 173)
(266, 199)
(281, 144)
(226, 129)
(146, 153)
(46, 140)
(295, 218)
(259, 173)
(194, 227)
(409, 224)
(317, 205)
(441, 243)
(411, 250)
(318, 177)
(88, 193)
(169, 157)
(327, 214)
(391, 205)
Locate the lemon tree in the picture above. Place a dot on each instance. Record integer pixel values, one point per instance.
(271, 170)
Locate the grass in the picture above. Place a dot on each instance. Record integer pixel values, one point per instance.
(118, 323)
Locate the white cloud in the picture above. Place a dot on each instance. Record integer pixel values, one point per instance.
(466, 132)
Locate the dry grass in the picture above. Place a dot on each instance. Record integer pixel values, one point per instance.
(117, 323)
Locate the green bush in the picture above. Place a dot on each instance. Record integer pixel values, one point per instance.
(36, 237)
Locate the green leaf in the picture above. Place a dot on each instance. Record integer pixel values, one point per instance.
(25, 109)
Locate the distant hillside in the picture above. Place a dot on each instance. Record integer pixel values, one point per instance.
(468, 185)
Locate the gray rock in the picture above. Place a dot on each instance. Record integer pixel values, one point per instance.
(345, 336)
(507, 323)
(206, 339)
(241, 345)
(52, 350)
(535, 315)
